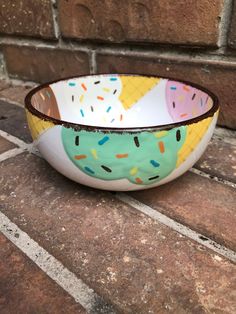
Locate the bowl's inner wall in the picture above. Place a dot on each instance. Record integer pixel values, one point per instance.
(121, 101)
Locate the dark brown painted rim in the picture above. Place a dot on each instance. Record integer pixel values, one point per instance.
(77, 126)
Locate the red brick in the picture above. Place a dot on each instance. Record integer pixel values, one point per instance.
(219, 79)
(205, 205)
(163, 21)
(232, 33)
(27, 17)
(3, 84)
(4, 144)
(137, 264)
(42, 64)
(15, 94)
(24, 288)
(219, 160)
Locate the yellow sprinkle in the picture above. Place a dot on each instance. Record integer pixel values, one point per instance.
(94, 153)
(106, 89)
(161, 134)
(81, 98)
(133, 171)
(42, 95)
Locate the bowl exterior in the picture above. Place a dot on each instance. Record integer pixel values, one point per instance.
(124, 160)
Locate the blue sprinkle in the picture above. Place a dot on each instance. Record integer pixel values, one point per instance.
(103, 140)
(113, 79)
(112, 120)
(82, 113)
(72, 84)
(201, 102)
(109, 108)
(48, 94)
(154, 163)
(89, 170)
(173, 87)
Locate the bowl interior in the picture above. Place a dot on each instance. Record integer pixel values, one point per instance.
(121, 101)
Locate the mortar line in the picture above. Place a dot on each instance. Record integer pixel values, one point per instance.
(55, 18)
(224, 25)
(178, 227)
(212, 177)
(158, 53)
(11, 153)
(14, 139)
(66, 279)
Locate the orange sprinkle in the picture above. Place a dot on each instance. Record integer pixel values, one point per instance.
(83, 86)
(100, 98)
(138, 180)
(161, 147)
(122, 155)
(183, 115)
(186, 88)
(121, 117)
(78, 157)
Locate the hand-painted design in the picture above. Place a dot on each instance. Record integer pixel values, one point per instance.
(116, 156)
(194, 133)
(45, 102)
(134, 88)
(185, 102)
(37, 126)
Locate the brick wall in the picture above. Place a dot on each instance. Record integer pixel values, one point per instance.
(42, 40)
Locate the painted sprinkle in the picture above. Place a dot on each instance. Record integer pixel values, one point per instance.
(121, 117)
(78, 157)
(82, 113)
(106, 168)
(186, 88)
(42, 95)
(122, 156)
(178, 135)
(173, 88)
(94, 153)
(100, 98)
(133, 171)
(107, 90)
(109, 108)
(72, 97)
(173, 104)
(154, 163)
(71, 84)
(114, 91)
(84, 87)
(48, 94)
(153, 178)
(103, 140)
(138, 180)
(193, 96)
(77, 140)
(136, 141)
(89, 170)
(81, 98)
(112, 120)
(113, 79)
(91, 108)
(183, 115)
(97, 82)
(161, 147)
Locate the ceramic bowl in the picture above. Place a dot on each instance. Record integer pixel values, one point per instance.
(121, 132)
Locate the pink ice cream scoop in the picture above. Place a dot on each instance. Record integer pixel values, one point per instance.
(185, 102)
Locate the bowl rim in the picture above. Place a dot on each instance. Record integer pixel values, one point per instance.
(86, 127)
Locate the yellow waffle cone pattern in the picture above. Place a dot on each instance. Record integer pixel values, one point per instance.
(134, 88)
(195, 132)
(37, 126)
